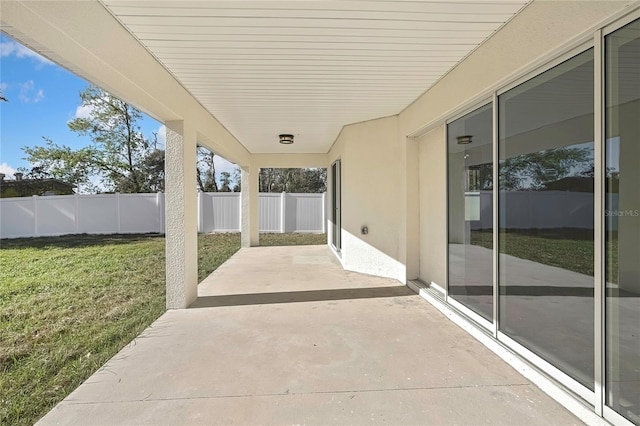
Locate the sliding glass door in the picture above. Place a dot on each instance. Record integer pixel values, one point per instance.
(546, 233)
(542, 256)
(622, 224)
(470, 180)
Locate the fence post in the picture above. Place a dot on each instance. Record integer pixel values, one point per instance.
(118, 211)
(76, 219)
(35, 215)
(283, 209)
(159, 208)
(324, 212)
(200, 219)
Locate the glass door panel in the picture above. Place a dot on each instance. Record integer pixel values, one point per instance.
(622, 225)
(546, 187)
(470, 207)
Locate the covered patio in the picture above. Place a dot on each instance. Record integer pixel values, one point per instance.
(375, 92)
(283, 335)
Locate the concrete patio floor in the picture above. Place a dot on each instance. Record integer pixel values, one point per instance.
(282, 335)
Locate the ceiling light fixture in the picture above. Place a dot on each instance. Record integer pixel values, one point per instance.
(286, 139)
(464, 140)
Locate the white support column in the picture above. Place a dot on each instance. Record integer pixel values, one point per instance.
(181, 216)
(249, 207)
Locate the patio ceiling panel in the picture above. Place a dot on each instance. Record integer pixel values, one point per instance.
(308, 67)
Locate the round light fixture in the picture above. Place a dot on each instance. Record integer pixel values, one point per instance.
(286, 139)
(464, 140)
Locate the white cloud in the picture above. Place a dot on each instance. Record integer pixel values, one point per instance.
(9, 48)
(83, 111)
(7, 170)
(3, 86)
(162, 136)
(29, 93)
(39, 96)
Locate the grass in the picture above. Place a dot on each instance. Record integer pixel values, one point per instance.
(68, 304)
(568, 249)
(292, 239)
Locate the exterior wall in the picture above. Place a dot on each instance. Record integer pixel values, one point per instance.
(370, 196)
(397, 185)
(433, 207)
(540, 32)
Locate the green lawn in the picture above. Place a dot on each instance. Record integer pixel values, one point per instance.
(68, 304)
(292, 239)
(572, 249)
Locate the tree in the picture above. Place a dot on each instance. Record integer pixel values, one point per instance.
(293, 180)
(206, 170)
(237, 179)
(531, 171)
(62, 162)
(225, 182)
(121, 156)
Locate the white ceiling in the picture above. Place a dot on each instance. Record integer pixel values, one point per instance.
(308, 67)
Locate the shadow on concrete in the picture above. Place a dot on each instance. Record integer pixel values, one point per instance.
(300, 296)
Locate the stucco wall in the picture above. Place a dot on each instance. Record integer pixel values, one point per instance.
(433, 206)
(381, 176)
(370, 196)
(543, 30)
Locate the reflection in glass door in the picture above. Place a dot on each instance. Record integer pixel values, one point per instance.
(546, 234)
(622, 225)
(470, 199)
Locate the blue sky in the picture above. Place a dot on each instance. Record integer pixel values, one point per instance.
(43, 97)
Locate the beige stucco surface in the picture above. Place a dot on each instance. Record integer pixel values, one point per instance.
(371, 196)
(539, 34)
(433, 207)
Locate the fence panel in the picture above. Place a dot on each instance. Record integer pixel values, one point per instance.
(144, 213)
(270, 217)
(55, 215)
(304, 213)
(98, 214)
(17, 217)
(140, 213)
(219, 212)
(540, 209)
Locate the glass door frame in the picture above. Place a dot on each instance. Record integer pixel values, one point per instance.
(336, 205)
(601, 406)
(478, 319)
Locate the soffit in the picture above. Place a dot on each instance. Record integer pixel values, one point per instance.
(308, 67)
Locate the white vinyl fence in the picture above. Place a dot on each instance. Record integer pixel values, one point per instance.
(144, 213)
(537, 209)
